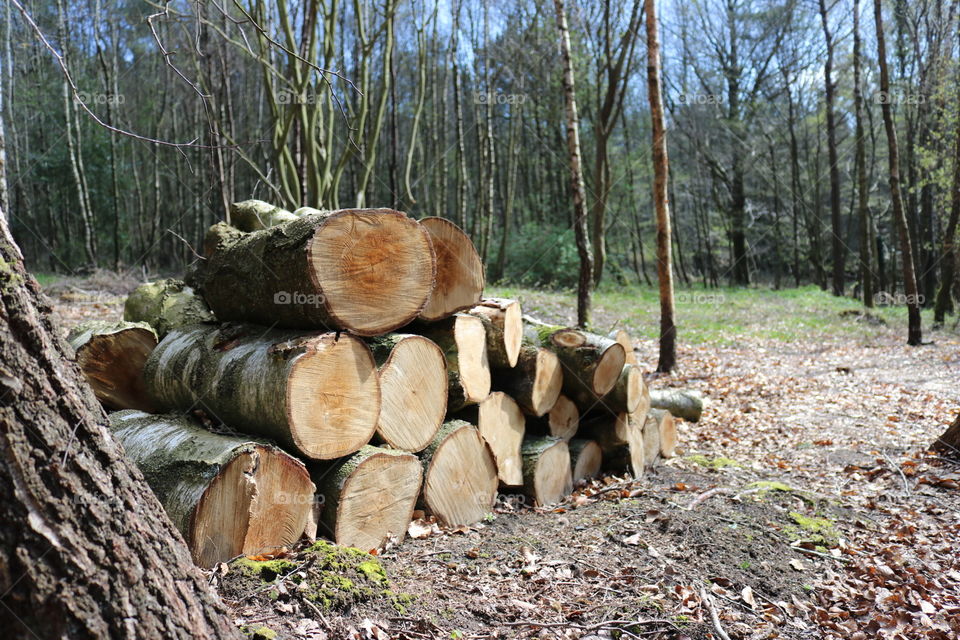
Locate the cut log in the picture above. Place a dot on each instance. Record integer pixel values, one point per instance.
(562, 421)
(629, 395)
(680, 402)
(317, 394)
(666, 431)
(547, 476)
(591, 364)
(586, 458)
(111, 356)
(463, 341)
(535, 382)
(254, 215)
(949, 443)
(620, 438)
(368, 498)
(165, 305)
(460, 481)
(227, 495)
(621, 336)
(501, 425)
(503, 321)
(413, 387)
(459, 282)
(651, 438)
(368, 271)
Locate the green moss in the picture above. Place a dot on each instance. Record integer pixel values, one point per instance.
(820, 531)
(766, 487)
(716, 463)
(258, 632)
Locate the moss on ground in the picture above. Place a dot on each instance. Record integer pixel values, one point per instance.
(764, 487)
(821, 532)
(330, 577)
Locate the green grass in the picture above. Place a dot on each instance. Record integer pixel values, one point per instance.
(725, 315)
(46, 279)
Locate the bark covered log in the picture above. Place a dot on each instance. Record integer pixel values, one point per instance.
(459, 282)
(463, 341)
(503, 321)
(255, 215)
(413, 387)
(535, 382)
(680, 402)
(547, 476)
(368, 498)
(502, 425)
(368, 271)
(86, 549)
(591, 363)
(666, 432)
(227, 495)
(317, 394)
(111, 356)
(166, 305)
(460, 479)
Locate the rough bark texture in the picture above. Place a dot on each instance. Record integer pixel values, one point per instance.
(535, 382)
(681, 403)
(949, 442)
(111, 356)
(369, 497)
(591, 363)
(413, 387)
(460, 481)
(503, 321)
(166, 305)
(107, 562)
(315, 393)
(547, 476)
(369, 271)
(254, 215)
(459, 282)
(227, 495)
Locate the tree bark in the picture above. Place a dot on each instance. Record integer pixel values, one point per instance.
(681, 403)
(949, 442)
(863, 194)
(944, 302)
(166, 305)
(91, 565)
(837, 245)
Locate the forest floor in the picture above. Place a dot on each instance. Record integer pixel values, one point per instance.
(803, 504)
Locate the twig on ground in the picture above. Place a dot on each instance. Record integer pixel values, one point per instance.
(893, 465)
(714, 617)
(706, 495)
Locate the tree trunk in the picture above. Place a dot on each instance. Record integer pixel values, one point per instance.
(535, 382)
(585, 280)
(91, 565)
(914, 332)
(944, 303)
(661, 176)
(459, 282)
(949, 442)
(227, 495)
(413, 389)
(586, 459)
(315, 393)
(460, 480)
(547, 475)
(501, 425)
(503, 322)
(837, 245)
(166, 305)
(368, 498)
(863, 194)
(368, 271)
(111, 356)
(462, 339)
(681, 403)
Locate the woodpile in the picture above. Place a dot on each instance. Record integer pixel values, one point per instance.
(328, 372)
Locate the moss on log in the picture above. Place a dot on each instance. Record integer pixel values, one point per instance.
(591, 363)
(166, 305)
(255, 215)
(681, 403)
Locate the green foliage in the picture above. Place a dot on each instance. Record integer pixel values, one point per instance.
(542, 256)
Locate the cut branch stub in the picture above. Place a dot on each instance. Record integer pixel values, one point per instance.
(460, 483)
(368, 271)
(369, 498)
(165, 305)
(460, 280)
(227, 495)
(501, 425)
(591, 363)
(503, 321)
(586, 458)
(317, 393)
(413, 385)
(111, 356)
(535, 382)
(463, 341)
(547, 476)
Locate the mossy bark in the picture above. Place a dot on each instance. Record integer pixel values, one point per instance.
(255, 215)
(579, 351)
(166, 305)
(681, 403)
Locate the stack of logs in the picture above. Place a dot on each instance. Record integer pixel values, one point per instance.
(331, 371)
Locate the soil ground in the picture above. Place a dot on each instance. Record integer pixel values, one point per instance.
(804, 503)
